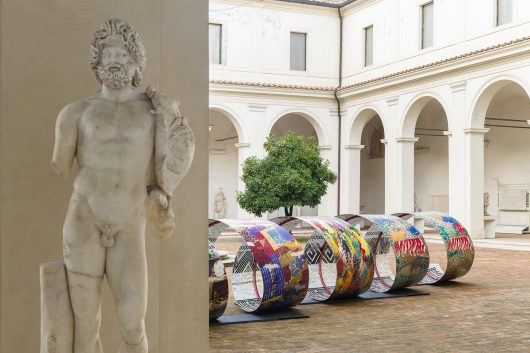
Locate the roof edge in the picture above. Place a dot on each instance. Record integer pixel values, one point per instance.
(320, 3)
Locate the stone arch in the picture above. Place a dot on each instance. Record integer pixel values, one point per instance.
(323, 139)
(233, 119)
(360, 119)
(414, 109)
(487, 92)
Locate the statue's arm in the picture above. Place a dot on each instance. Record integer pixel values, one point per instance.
(66, 139)
(153, 189)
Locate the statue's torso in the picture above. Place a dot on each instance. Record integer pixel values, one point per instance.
(114, 153)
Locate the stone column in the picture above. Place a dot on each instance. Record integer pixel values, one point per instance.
(457, 156)
(328, 203)
(258, 133)
(474, 177)
(351, 182)
(390, 176)
(392, 203)
(405, 174)
(243, 153)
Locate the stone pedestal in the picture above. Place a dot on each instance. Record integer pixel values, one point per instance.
(57, 324)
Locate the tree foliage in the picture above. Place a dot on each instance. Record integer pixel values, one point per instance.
(292, 174)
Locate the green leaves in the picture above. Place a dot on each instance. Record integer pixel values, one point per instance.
(292, 174)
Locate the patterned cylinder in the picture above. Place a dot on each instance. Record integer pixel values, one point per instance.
(218, 283)
(339, 259)
(269, 269)
(458, 245)
(401, 257)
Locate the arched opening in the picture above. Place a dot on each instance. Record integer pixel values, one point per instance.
(223, 166)
(431, 155)
(299, 124)
(372, 162)
(506, 151)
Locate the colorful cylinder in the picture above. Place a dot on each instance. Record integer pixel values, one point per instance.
(339, 259)
(458, 245)
(269, 269)
(392, 234)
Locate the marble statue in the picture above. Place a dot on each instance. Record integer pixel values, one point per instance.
(220, 204)
(132, 149)
(486, 203)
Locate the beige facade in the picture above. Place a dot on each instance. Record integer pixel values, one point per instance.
(44, 66)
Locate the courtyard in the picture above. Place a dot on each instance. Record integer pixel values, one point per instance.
(488, 310)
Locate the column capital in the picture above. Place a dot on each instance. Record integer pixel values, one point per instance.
(353, 147)
(392, 101)
(325, 147)
(384, 141)
(476, 131)
(448, 133)
(217, 151)
(259, 108)
(407, 139)
(458, 86)
(242, 145)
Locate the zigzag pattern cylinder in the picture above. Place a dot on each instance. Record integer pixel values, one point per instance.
(400, 253)
(269, 269)
(339, 259)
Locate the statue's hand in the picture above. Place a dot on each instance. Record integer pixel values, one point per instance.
(160, 214)
(158, 196)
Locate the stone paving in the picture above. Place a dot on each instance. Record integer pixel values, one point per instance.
(488, 310)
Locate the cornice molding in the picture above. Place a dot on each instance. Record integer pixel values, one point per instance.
(476, 131)
(450, 60)
(466, 61)
(353, 147)
(407, 139)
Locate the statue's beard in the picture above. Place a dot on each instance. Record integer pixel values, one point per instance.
(115, 75)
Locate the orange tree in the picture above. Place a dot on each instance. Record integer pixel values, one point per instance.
(292, 174)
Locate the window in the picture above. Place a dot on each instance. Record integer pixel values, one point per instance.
(215, 34)
(368, 46)
(504, 12)
(298, 51)
(427, 25)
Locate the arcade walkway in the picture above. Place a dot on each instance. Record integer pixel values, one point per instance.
(488, 310)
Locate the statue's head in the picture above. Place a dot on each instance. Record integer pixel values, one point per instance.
(117, 55)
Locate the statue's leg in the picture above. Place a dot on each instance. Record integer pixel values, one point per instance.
(127, 276)
(84, 258)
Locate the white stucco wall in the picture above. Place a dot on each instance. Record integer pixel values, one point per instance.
(459, 27)
(256, 42)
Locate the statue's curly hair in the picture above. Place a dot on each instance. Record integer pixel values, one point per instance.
(115, 31)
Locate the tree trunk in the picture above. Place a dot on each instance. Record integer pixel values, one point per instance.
(288, 211)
